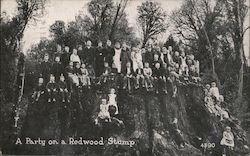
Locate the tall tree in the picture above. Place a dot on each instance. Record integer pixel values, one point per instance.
(57, 31)
(119, 13)
(151, 19)
(236, 12)
(11, 35)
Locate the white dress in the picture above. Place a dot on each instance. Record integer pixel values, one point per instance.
(134, 60)
(117, 60)
(138, 57)
(112, 102)
(104, 113)
(215, 92)
(228, 139)
(75, 58)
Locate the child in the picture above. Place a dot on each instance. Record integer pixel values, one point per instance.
(138, 57)
(148, 75)
(52, 88)
(72, 77)
(128, 76)
(139, 75)
(159, 77)
(112, 100)
(183, 64)
(91, 72)
(63, 89)
(85, 80)
(194, 77)
(227, 141)
(220, 111)
(210, 103)
(214, 91)
(57, 68)
(39, 90)
(177, 69)
(172, 80)
(207, 89)
(156, 60)
(104, 111)
(176, 57)
(77, 73)
(106, 72)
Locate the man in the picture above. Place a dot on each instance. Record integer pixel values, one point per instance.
(125, 55)
(99, 56)
(58, 51)
(80, 52)
(109, 53)
(65, 57)
(88, 56)
(149, 55)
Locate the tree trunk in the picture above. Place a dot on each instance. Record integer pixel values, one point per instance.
(240, 50)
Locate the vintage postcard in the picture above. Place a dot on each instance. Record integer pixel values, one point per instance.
(125, 77)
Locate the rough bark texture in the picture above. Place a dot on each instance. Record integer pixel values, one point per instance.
(147, 118)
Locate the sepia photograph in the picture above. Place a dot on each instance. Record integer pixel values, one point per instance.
(125, 77)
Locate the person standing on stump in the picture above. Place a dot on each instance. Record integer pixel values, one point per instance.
(99, 56)
(109, 53)
(88, 56)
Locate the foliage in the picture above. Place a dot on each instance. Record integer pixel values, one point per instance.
(151, 19)
(201, 25)
(11, 35)
(106, 20)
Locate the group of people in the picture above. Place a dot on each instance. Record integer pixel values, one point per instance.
(150, 67)
(213, 102)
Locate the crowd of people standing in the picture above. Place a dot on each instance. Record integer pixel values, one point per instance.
(152, 66)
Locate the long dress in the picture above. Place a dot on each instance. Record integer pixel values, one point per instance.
(215, 92)
(228, 139)
(137, 60)
(117, 60)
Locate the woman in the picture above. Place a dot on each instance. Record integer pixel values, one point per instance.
(117, 57)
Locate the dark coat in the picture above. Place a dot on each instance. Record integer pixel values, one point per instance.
(125, 71)
(51, 85)
(45, 68)
(149, 57)
(99, 60)
(157, 72)
(62, 85)
(109, 52)
(57, 70)
(88, 56)
(65, 57)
